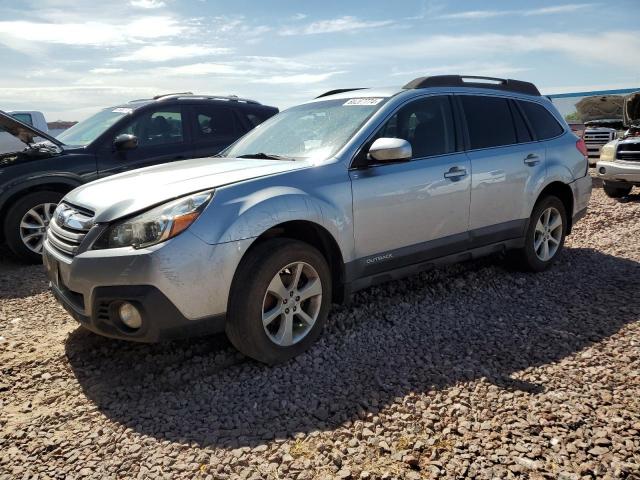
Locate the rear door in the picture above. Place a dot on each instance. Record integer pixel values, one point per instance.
(506, 163)
(162, 137)
(214, 128)
(412, 211)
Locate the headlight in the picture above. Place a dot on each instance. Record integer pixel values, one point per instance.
(608, 152)
(156, 225)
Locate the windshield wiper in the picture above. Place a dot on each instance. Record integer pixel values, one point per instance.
(265, 156)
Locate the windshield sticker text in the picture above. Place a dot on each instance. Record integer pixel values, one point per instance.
(363, 101)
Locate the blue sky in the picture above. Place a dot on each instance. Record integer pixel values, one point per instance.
(71, 57)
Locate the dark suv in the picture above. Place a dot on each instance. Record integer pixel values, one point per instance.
(125, 137)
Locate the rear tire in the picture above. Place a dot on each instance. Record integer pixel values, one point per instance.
(26, 222)
(616, 190)
(279, 301)
(545, 235)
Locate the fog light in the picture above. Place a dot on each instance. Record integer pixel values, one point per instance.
(129, 315)
(602, 170)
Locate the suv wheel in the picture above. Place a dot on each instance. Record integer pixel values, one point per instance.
(26, 224)
(279, 300)
(545, 235)
(616, 190)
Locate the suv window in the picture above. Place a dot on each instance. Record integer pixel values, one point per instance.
(23, 117)
(489, 121)
(543, 123)
(161, 127)
(522, 131)
(427, 124)
(214, 122)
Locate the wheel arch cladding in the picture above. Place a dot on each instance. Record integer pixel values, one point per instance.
(318, 237)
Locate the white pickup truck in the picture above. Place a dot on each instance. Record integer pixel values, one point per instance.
(31, 117)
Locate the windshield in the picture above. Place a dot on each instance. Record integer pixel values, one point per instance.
(86, 131)
(314, 131)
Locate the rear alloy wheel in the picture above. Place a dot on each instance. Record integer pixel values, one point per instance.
(26, 224)
(279, 301)
(614, 190)
(545, 235)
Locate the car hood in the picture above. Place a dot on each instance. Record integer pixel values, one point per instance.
(601, 107)
(632, 109)
(127, 193)
(24, 132)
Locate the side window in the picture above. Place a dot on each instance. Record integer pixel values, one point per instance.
(157, 128)
(543, 123)
(522, 131)
(24, 118)
(214, 122)
(427, 124)
(489, 121)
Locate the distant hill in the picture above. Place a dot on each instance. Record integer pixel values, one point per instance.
(60, 125)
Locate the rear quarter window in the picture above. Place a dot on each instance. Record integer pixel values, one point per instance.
(542, 122)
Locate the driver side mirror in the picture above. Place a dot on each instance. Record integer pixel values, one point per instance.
(125, 141)
(390, 150)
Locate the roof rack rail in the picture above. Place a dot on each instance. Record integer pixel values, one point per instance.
(506, 84)
(158, 97)
(229, 98)
(339, 90)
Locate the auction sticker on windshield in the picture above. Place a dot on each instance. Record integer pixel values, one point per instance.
(122, 110)
(363, 101)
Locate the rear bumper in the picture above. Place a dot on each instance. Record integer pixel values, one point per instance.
(619, 171)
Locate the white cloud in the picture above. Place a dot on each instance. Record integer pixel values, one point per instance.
(500, 69)
(605, 47)
(481, 14)
(148, 4)
(199, 69)
(92, 33)
(164, 52)
(342, 24)
(105, 71)
(299, 79)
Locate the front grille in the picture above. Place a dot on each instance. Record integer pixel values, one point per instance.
(629, 156)
(67, 240)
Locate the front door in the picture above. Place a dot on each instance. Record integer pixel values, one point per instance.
(162, 138)
(413, 211)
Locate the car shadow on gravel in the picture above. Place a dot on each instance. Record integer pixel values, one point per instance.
(423, 334)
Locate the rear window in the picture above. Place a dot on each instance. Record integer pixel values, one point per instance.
(489, 121)
(543, 123)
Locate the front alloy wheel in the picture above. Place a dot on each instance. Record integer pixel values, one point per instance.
(33, 226)
(279, 301)
(25, 225)
(291, 304)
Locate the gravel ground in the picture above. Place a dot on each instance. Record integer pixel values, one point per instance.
(474, 370)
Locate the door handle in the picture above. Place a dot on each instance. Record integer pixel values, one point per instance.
(532, 159)
(455, 173)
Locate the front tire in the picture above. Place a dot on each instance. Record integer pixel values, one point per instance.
(279, 301)
(545, 235)
(616, 190)
(26, 223)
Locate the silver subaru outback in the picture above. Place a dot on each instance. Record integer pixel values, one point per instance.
(354, 188)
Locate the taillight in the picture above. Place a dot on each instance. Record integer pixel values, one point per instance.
(582, 147)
